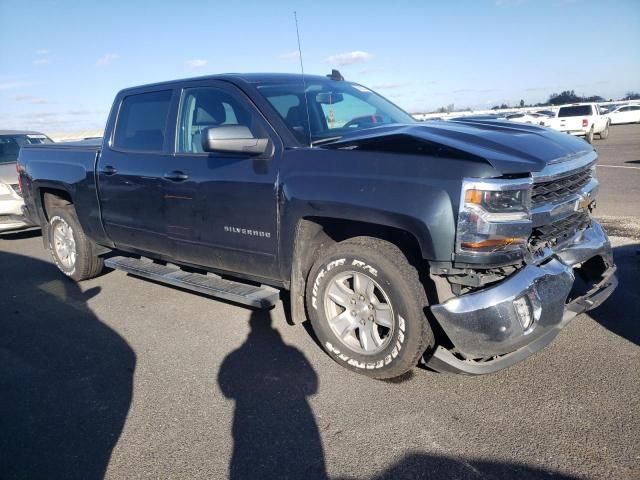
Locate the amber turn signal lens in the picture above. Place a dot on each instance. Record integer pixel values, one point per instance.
(473, 196)
(493, 243)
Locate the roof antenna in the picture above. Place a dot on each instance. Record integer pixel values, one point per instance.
(304, 85)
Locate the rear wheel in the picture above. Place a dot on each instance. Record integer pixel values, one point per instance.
(605, 133)
(366, 306)
(70, 248)
(589, 136)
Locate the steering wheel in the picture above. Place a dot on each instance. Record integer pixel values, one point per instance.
(363, 120)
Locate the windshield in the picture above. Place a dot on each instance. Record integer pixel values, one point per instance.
(335, 108)
(10, 145)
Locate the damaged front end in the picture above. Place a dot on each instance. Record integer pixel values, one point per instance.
(501, 314)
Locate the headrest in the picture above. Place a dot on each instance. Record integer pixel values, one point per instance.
(209, 110)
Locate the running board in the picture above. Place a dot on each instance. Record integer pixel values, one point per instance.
(208, 284)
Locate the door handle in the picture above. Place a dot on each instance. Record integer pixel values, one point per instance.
(109, 170)
(176, 176)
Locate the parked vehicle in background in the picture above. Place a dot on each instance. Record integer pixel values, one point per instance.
(527, 117)
(11, 215)
(469, 244)
(547, 113)
(625, 114)
(583, 120)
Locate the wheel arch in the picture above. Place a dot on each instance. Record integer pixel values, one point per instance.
(313, 234)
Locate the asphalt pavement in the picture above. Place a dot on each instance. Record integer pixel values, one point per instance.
(125, 378)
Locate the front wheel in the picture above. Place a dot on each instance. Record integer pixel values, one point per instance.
(367, 307)
(70, 248)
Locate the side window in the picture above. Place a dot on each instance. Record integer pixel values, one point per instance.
(142, 121)
(207, 107)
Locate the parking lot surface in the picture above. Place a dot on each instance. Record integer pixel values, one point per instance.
(125, 378)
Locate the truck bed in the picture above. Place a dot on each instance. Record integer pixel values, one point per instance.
(69, 167)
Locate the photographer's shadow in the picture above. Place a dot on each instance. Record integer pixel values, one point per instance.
(275, 434)
(65, 377)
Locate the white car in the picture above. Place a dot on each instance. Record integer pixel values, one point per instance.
(625, 114)
(581, 119)
(527, 117)
(11, 216)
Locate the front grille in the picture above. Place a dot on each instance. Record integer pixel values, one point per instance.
(558, 231)
(558, 189)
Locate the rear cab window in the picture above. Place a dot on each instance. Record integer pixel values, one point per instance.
(141, 124)
(575, 111)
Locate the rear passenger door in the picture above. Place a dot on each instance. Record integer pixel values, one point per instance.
(222, 207)
(131, 172)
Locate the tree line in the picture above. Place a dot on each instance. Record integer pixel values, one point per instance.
(569, 96)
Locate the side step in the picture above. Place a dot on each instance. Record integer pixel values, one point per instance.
(209, 284)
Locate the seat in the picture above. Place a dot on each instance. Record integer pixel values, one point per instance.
(297, 119)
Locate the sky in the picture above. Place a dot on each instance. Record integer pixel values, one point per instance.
(62, 62)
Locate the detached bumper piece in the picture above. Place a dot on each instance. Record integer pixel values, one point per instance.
(207, 284)
(502, 325)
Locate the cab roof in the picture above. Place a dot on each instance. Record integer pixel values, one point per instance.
(250, 78)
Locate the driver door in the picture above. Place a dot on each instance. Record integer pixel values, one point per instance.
(222, 207)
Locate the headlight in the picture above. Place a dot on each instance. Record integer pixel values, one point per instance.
(494, 216)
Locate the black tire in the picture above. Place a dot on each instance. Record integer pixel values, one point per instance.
(605, 133)
(386, 265)
(86, 264)
(589, 136)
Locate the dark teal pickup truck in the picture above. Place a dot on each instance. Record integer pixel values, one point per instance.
(466, 244)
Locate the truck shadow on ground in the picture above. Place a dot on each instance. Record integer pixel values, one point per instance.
(65, 377)
(619, 313)
(275, 433)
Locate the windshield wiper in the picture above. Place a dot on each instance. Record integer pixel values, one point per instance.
(323, 141)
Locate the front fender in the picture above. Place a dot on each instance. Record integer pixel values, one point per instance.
(419, 195)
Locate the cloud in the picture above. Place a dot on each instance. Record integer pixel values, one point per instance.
(294, 55)
(367, 71)
(107, 59)
(29, 98)
(388, 86)
(472, 90)
(20, 97)
(84, 112)
(343, 59)
(41, 61)
(196, 63)
(11, 85)
(42, 51)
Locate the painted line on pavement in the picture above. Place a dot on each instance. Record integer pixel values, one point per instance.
(618, 166)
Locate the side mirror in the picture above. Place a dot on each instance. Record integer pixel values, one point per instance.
(233, 139)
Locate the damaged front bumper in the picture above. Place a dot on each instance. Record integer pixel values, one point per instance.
(501, 325)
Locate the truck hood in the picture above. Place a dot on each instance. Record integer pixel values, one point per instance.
(511, 148)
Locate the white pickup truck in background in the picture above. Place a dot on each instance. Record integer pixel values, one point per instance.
(583, 119)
